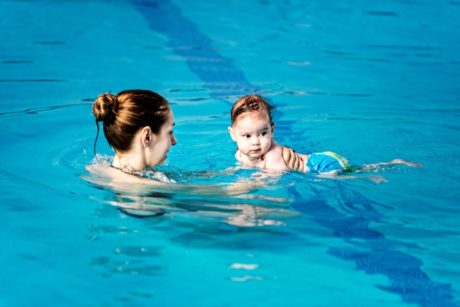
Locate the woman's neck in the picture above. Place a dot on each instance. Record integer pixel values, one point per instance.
(128, 162)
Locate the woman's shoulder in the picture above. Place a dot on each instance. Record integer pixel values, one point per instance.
(104, 173)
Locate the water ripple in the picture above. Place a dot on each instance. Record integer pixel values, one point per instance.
(49, 42)
(38, 110)
(382, 13)
(17, 61)
(38, 80)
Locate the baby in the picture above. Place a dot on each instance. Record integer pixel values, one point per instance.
(253, 129)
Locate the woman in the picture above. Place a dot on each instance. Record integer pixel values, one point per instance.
(138, 125)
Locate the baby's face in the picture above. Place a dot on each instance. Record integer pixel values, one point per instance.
(253, 133)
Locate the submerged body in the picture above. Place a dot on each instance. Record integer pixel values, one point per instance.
(282, 158)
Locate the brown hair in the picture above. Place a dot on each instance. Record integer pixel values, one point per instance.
(124, 114)
(251, 103)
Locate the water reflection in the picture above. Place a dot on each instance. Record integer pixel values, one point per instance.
(238, 203)
(125, 266)
(261, 220)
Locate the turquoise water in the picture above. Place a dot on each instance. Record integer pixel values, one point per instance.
(370, 81)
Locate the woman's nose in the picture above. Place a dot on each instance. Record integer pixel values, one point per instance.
(173, 140)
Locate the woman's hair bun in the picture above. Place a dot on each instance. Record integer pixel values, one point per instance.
(105, 108)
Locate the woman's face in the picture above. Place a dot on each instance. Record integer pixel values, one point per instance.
(162, 142)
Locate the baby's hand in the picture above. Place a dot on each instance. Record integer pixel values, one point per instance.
(293, 160)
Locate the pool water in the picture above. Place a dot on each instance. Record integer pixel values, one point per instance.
(371, 81)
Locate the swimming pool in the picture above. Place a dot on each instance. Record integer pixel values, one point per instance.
(370, 81)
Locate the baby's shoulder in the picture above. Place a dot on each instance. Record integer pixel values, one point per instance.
(275, 153)
(274, 158)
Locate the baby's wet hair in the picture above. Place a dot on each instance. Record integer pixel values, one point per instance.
(251, 103)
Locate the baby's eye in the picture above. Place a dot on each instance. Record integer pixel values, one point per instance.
(264, 133)
(247, 136)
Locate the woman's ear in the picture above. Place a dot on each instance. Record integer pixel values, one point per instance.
(232, 133)
(147, 137)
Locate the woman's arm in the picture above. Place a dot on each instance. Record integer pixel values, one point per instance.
(107, 176)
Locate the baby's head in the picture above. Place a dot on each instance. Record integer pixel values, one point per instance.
(252, 126)
(251, 105)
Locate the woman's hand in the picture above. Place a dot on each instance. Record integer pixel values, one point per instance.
(294, 161)
(243, 187)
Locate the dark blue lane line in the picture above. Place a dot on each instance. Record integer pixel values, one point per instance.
(221, 78)
(374, 253)
(371, 251)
